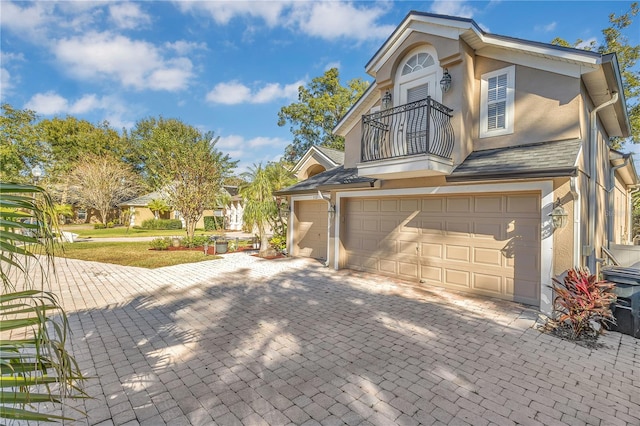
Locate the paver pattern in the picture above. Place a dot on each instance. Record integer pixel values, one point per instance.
(245, 341)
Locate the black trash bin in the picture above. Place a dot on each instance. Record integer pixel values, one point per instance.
(627, 307)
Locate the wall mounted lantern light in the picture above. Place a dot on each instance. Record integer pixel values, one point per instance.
(445, 82)
(558, 216)
(332, 210)
(386, 100)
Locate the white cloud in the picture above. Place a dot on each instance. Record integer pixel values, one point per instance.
(546, 28)
(128, 15)
(250, 151)
(28, 21)
(133, 63)
(325, 19)
(333, 20)
(49, 103)
(234, 92)
(5, 82)
(183, 47)
(453, 8)
(223, 12)
(335, 64)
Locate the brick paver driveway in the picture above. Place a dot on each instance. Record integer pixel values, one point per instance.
(248, 341)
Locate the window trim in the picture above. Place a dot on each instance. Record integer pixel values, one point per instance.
(510, 71)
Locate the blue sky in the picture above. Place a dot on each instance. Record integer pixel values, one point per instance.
(228, 66)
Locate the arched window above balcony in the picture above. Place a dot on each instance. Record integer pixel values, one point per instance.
(417, 62)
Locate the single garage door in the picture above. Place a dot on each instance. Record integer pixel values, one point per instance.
(310, 229)
(488, 244)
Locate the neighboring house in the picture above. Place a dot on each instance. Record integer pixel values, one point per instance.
(232, 213)
(317, 160)
(459, 153)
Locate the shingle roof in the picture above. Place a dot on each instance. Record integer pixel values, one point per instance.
(545, 159)
(333, 154)
(337, 176)
(143, 200)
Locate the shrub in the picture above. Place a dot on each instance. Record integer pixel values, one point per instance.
(196, 241)
(279, 243)
(161, 243)
(582, 305)
(99, 226)
(110, 224)
(162, 224)
(212, 223)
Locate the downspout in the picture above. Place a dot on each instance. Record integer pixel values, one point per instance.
(590, 250)
(612, 186)
(576, 220)
(329, 211)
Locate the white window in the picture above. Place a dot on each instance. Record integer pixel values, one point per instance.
(496, 102)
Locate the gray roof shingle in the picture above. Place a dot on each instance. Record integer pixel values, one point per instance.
(539, 159)
(333, 154)
(337, 176)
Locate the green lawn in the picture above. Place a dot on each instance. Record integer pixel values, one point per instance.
(121, 231)
(130, 254)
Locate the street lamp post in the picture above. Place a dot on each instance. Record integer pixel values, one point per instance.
(36, 173)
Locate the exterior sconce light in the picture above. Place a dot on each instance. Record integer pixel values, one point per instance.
(284, 209)
(332, 211)
(36, 172)
(445, 82)
(558, 216)
(386, 100)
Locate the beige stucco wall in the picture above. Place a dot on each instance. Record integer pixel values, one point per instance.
(141, 214)
(352, 145)
(563, 238)
(547, 106)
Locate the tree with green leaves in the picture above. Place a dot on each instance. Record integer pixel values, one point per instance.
(260, 205)
(21, 144)
(158, 206)
(320, 107)
(102, 182)
(35, 364)
(616, 41)
(183, 163)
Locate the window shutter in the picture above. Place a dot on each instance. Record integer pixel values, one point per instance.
(417, 93)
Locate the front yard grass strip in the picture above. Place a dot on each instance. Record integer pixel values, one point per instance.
(131, 254)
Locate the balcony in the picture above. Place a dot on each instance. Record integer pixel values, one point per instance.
(407, 141)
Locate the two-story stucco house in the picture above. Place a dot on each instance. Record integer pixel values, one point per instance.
(475, 162)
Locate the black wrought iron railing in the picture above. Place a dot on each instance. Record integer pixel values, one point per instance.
(422, 127)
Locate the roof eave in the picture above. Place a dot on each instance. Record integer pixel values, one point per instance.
(526, 174)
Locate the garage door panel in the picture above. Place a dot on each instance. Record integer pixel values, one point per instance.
(389, 205)
(522, 204)
(458, 228)
(490, 283)
(431, 274)
(488, 204)
(432, 205)
(457, 253)
(489, 230)
(431, 250)
(388, 225)
(370, 206)
(409, 205)
(487, 256)
(457, 278)
(487, 244)
(458, 204)
(370, 225)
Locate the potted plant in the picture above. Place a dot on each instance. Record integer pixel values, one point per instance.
(221, 243)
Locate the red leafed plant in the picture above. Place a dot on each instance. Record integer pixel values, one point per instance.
(582, 304)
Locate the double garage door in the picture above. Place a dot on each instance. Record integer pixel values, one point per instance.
(487, 244)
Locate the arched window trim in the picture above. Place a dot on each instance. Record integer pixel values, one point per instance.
(423, 60)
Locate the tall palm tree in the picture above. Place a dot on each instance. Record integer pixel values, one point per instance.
(35, 366)
(260, 207)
